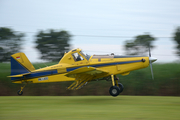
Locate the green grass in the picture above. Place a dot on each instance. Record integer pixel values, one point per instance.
(89, 108)
(5, 69)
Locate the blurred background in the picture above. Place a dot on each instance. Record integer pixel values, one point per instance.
(44, 30)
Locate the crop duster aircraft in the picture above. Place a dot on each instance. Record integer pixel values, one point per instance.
(78, 67)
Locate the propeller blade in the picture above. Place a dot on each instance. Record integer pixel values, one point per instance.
(151, 60)
(151, 69)
(149, 51)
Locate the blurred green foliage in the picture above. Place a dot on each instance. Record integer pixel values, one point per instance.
(176, 38)
(140, 45)
(10, 43)
(139, 82)
(52, 44)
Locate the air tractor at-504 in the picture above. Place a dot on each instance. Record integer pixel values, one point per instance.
(78, 67)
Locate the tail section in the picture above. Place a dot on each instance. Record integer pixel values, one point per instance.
(20, 65)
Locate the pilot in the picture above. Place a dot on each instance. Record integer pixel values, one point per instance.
(78, 58)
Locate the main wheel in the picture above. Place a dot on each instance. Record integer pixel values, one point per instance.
(114, 91)
(19, 92)
(121, 87)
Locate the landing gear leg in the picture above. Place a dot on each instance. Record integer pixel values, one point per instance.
(114, 90)
(20, 92)
(121, 87)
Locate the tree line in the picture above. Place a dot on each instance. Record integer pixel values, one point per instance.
(52, 44)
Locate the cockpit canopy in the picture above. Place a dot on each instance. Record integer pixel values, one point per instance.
(75, 56)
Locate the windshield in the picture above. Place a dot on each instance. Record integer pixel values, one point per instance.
(87, 56)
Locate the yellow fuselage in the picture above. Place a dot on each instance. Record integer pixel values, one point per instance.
(112, 64)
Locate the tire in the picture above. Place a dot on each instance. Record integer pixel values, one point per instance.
(121, 87)
(114, 91)
(19, 92)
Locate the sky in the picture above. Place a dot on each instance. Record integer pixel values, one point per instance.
(97, 26)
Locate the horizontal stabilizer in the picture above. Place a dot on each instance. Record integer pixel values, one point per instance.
(20, 75)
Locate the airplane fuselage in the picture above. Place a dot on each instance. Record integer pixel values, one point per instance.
(111, 63)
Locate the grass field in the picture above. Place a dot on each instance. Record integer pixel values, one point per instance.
(89, 108)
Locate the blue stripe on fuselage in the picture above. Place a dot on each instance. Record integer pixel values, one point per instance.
(102, 65)
(107, 64)
(38, 74)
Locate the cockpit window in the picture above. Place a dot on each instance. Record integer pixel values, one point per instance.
(85, 55)
(77, 57)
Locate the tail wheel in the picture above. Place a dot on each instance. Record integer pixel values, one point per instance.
(19, 92)
(121, 87)
(114, 91)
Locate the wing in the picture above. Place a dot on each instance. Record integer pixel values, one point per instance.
(84, 75)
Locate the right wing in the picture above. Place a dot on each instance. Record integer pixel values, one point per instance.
(84, 75)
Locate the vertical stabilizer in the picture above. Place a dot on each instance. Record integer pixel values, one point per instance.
(20, 64)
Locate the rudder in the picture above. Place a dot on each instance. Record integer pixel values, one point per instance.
(20, 64)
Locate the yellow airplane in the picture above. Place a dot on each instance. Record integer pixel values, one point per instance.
(78, 67)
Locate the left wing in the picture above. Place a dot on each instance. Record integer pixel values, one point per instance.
(84, 75)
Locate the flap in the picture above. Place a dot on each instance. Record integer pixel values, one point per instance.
(126, 73)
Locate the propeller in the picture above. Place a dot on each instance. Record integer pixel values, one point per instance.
(151, 60)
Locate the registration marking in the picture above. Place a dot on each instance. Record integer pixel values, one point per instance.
(43, 78)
